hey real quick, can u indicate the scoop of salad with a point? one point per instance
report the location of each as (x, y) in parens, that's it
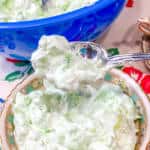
(74, 111)
(63, 67)
(16, 10)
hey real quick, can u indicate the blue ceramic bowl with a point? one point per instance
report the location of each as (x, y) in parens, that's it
(19, 39)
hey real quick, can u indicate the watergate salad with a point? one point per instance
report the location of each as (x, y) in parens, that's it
(74, 110)
(16, 10)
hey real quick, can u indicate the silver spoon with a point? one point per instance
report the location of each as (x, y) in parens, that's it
(110, 60)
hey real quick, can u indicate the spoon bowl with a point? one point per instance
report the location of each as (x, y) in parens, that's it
(101, 54)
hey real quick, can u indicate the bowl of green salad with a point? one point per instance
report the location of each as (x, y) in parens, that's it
(23, 22)
(71, 102)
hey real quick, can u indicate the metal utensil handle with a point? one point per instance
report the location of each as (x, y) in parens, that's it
(121, 59)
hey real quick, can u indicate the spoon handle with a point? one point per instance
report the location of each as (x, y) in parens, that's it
(121, 59)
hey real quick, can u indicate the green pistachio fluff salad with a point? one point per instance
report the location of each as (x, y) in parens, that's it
(74, 110)
(16, 10)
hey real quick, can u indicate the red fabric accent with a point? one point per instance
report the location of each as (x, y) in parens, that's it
(133, 72)
(145, 84)
(140, 77)
(130, 3)
(13, 60)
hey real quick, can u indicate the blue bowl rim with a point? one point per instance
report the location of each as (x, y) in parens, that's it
(99, 4)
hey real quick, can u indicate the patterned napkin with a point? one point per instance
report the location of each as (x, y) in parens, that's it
(11, 69)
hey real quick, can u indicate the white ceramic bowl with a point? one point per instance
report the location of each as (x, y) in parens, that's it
(117, 77)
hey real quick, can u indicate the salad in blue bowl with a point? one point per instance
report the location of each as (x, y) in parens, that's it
(22, 23)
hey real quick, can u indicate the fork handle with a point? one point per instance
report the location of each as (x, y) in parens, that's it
(121, 59)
